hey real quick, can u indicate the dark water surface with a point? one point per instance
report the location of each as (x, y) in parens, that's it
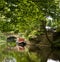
(49, 55)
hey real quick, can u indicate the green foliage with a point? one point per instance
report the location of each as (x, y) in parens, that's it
(26, 15)
(22, 14)
(19, 56)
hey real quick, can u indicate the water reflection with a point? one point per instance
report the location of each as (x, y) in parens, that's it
(51, 60)
(44, 54)
(49, 55)
(9, 59)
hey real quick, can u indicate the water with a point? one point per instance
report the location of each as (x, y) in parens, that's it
(49, 55)
(51, 60)
(9, 59)
(42, 54)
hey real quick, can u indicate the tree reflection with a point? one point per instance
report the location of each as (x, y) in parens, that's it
(46, 53)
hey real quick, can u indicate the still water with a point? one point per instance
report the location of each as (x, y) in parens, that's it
(44, 54)
(50, 55)
(47, 54)
(51, 60)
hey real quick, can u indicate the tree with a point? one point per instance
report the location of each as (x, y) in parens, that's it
(22, 14)
(26, 16)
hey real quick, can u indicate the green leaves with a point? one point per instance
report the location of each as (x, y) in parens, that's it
(27, 15)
